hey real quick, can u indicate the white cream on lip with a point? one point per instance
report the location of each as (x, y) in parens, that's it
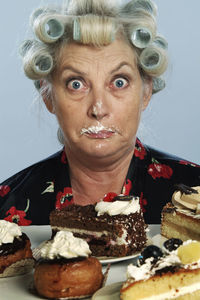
(98, 128)
(118, 207)
(65, 245)
(8, 231)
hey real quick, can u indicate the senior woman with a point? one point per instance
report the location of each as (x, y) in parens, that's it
(95, 64)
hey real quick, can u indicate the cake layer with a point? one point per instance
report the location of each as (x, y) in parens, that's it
(179, 224)
(169, 229)
(183, 284)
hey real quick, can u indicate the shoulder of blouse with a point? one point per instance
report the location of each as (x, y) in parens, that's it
(46, 163)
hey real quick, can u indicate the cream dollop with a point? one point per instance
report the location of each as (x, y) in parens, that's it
(65, 245)
(8, 231)
(148, 269)
(118, 207)
(187, 201)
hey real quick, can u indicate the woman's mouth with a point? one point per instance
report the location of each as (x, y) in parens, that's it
(102, 134)
(98, 132)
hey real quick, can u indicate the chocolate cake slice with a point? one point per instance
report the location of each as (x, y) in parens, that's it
(111, 228)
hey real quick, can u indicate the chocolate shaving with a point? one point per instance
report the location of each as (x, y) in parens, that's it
(185, 189)
(123, 198)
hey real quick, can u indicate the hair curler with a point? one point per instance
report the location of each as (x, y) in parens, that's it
(49, 28)
(137, 5)
(158, 84)
(141, 37)
(153, 60)
(76, 30)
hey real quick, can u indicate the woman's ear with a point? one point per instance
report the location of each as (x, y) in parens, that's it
(47, 96)
(148, 86)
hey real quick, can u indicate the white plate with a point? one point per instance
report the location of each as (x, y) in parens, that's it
(109, 292)
(109, 260)
(17, 288)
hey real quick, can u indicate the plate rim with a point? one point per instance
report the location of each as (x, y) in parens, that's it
(108, 260)
(118, 285)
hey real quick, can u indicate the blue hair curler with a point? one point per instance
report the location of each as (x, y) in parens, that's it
(49, 29)
(25, 47)
(161, 42)
(141, 37)
(43, 64)
(158, 84)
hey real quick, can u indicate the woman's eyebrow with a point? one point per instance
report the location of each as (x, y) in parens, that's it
(122, 64)
(70, 68)
(118, 67)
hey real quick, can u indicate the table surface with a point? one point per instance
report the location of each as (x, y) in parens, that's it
(117, 272)
(18, 287)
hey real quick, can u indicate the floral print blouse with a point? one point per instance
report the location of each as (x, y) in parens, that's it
(29, 196)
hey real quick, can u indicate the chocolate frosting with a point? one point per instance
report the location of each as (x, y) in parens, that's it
(11, 248)
(61, 260)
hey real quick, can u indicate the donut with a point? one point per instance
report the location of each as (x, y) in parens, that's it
(62, 278)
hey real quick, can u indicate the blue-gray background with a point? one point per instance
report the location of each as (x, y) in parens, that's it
(171, 122)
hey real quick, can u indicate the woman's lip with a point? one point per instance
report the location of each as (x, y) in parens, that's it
(102, 134)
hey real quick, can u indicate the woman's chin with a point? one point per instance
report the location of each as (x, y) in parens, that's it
(101, 150)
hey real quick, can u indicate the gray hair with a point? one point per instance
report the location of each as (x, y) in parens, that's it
(97, 23)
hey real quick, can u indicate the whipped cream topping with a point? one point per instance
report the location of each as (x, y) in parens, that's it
(148, 269)
(189, 202)
(118, 207)
(8, 231)
(65, 245)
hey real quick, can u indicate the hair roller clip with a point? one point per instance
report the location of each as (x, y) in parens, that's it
(76, 30)
(25, 47)
(160, 42)
(153, 60)
(48, 28)
(141, 37)
(158, 84)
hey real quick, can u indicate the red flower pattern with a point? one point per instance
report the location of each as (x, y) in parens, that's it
(4, 190)
(143, 202)
(157, 170)
(127, 187)
(139, 151)
(63, 157)
(64, 198)
(17, 216)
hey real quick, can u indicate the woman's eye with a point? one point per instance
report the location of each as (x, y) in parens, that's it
(75, 84)
(120, 83)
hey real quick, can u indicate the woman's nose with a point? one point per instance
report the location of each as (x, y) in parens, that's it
(99, 107)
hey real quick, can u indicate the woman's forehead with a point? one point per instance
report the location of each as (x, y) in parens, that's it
(115, 53)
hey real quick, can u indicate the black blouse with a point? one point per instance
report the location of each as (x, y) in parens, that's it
(29, 196)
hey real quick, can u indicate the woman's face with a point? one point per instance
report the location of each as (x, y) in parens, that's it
(97, 97)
